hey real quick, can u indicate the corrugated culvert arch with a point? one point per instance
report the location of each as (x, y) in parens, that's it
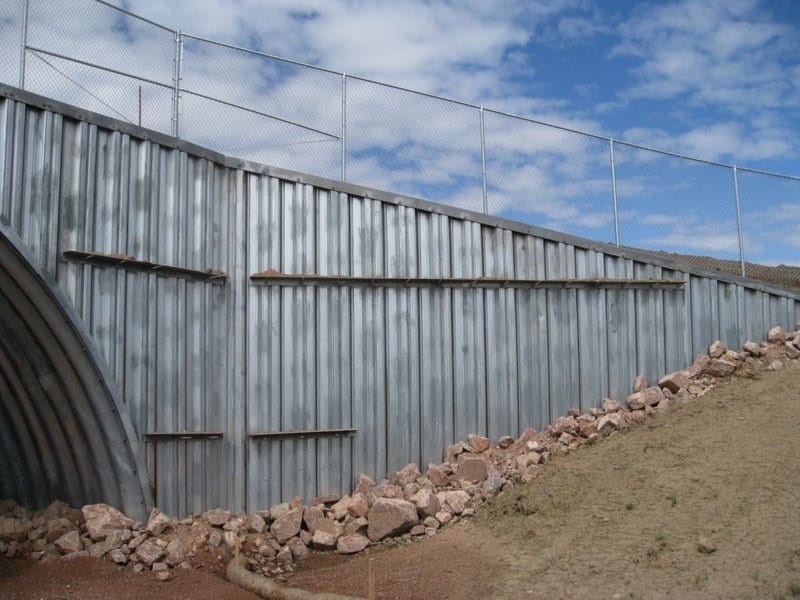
(64, 433)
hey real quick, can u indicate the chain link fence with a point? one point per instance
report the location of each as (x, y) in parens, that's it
(302, 117)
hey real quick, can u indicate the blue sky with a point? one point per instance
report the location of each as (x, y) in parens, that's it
(718, 80)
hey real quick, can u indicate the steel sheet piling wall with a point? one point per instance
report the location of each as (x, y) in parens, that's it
(411, 368)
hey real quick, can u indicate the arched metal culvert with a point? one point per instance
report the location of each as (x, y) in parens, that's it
(64, 432)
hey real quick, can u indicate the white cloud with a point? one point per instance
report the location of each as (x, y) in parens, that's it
(731, 55)
(718, 142)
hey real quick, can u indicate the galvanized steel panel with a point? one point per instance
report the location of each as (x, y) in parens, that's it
(410, 368)
(533, 369)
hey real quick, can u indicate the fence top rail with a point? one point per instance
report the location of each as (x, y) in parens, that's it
(424, 94)
(260, 53)
(135, 16)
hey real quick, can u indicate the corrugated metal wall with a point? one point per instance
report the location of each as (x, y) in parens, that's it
(410, 368)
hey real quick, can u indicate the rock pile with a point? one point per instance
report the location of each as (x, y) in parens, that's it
(409, 504)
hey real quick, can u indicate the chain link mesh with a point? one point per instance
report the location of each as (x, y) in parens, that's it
(413, 144)
(10, 37)
(678, 207)
(549, 177)
(129, 74)
(282, 113)
(271, 110)
(771, 225)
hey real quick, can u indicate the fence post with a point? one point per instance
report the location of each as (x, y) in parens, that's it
(176, 84)
(23, 44)
(739, 219)
(483, 164)
(344, 126)
(614, 191)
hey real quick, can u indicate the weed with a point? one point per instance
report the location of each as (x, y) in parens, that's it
(674, 498)
(756, 576)
(629, 506)
(794, 588)
(659, 536)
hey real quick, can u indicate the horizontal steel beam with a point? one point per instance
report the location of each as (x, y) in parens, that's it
(286, 279)
(120, 261)
(183, 435)
(301, 433)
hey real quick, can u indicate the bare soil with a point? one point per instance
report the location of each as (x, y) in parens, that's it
(621, 519)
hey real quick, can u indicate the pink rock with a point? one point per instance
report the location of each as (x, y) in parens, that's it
(720, 368)
(287, 526)
(298, 548)
(69, 542)
(698, 366)
(387, 490)
(406, 475)
(427, 503)
(148, 552)
(609, 423)
(102, 518)
(311, 515)
(436, 476)
(505, 441)
(365, 485)
(55, 528)
(776, 335)
(610, 405)
(587, 428)
(717, 349)
(217, 517)
(323, 540)
(339, 509)
(358, 505)
(176, 552)
(350, 544)
(478, 442)
(444, 517)
(753, 348)
(452, 452)
(640, 383)
(157, 522)
(389, 516)
(649, 397)
(564, 425)
(675, 381)
(791, 351)
(474, 470)
(456, 500)
(358, 526)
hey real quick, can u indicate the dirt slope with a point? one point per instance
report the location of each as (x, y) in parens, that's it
(621, 519)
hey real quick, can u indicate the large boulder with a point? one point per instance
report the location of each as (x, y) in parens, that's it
(101, 519)
(288, 525)
(390, 516)
(719, 367)
(473, 469)
(776, 335)
(350, 544)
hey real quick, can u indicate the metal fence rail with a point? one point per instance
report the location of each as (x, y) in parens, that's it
(303, 117)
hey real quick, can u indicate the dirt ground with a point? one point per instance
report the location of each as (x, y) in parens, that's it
(622, 519)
